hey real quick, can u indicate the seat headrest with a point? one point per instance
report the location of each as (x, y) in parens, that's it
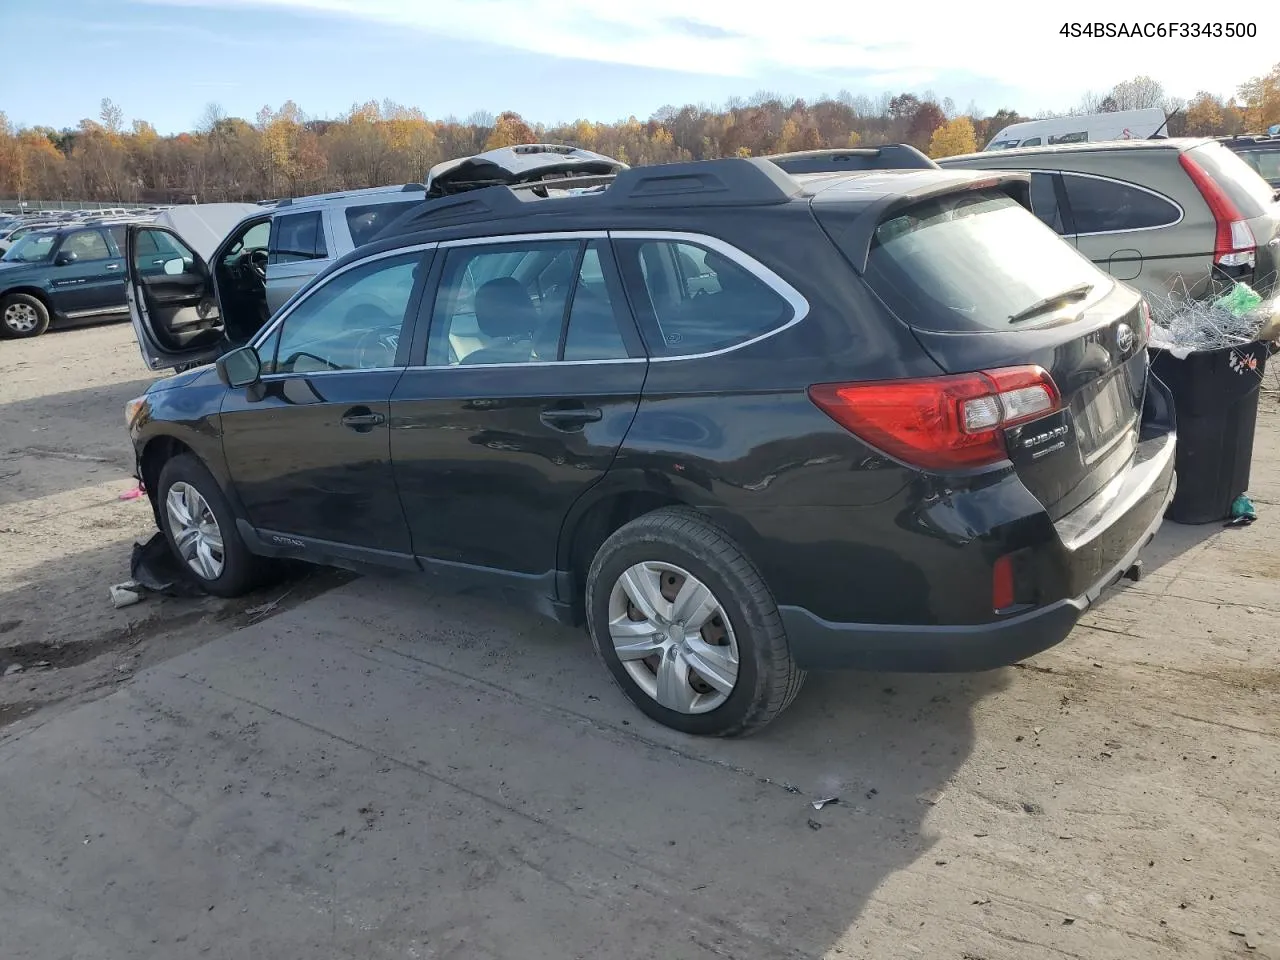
(503, 309)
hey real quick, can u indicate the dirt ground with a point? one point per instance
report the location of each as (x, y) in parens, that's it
(65, 534)
(381, 771)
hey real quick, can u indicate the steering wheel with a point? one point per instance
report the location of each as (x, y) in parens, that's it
(256, 261)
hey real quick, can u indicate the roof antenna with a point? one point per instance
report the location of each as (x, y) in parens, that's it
(1168, 117)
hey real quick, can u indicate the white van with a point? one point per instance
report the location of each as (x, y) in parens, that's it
(1121, 125)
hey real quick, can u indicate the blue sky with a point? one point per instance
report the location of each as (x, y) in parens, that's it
(554, 60)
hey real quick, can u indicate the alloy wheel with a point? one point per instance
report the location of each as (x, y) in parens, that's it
(21, 317)
(673, 637)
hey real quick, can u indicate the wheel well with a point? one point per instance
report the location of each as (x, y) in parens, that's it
(31, 292)
(600, 521)
(155, 455)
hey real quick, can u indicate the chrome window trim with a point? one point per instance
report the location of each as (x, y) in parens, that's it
(305, 294)
(799, 305)
(1182, 213)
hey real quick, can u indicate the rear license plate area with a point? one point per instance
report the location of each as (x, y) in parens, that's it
(1105, 414)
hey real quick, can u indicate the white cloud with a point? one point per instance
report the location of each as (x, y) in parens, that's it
(1015, 44)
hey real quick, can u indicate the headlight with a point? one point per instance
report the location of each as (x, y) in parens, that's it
(132, 409)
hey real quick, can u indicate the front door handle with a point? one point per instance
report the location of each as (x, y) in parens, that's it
(570, 418)
(113, 266)
(362, 419)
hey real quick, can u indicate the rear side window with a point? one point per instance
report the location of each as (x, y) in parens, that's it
(367, 221)
(1265, 162)
(973, 262)
(296, 237)
(1248, 191)
(697, 299)
(1107, 206)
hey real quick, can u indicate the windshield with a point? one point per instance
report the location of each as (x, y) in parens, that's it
(973, 261)
(32, 248)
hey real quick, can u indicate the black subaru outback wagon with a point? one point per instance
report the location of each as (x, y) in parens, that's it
(742, 422)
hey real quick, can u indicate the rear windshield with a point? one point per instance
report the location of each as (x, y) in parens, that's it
(1248, 191)
(974, 261)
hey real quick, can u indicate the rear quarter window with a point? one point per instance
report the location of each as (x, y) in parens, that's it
(971, 262)
(1108, 206)
(694, 299)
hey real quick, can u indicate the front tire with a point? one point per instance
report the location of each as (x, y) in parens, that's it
(22, 316)
(201, 530)
(687, 627)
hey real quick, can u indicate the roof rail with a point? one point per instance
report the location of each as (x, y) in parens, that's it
(890, 156)
(343, 194)
(735, 181)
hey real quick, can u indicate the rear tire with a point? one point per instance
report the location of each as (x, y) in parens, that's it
(704, 650)
(23, 315)
(201, 530)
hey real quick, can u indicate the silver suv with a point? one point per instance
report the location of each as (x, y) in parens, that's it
(257, 256)
(1167, 216)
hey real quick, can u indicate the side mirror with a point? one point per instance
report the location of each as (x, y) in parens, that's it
(241, 367)
(65, 257)
(175, 267)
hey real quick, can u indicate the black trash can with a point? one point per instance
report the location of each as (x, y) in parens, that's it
(1215, 397)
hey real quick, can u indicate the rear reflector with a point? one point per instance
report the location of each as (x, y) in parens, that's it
(941, 423)
(1002, 585)
(1234, 244)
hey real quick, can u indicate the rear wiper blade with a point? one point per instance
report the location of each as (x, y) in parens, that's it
(1070, 295)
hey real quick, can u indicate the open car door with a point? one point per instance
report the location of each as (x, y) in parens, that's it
(172, 301)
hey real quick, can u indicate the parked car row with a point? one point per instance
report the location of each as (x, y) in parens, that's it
(741, 418)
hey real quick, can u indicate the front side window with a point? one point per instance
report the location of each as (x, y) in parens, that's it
(296, 237)
(86, 245)
(152, 249)
(698, 299)
(1032, 142)
(1104, 206)
(353, 322)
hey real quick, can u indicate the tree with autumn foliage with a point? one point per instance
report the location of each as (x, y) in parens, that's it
(953, 138)
(282, 151)
(509, 130)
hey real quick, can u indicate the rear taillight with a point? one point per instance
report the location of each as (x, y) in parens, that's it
(1233, 244)
(941, 423)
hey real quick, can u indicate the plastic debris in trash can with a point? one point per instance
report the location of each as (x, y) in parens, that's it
(1239, 301)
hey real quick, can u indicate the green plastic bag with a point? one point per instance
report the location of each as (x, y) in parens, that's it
(1239, 300)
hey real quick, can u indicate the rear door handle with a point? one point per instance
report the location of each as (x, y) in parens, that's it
(567, 418)
(113, 266)
(362, 419)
